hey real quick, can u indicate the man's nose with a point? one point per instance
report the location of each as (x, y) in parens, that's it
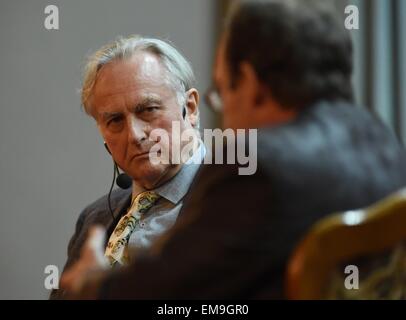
(136, 132)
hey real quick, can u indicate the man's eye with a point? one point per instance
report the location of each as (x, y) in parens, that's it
(114, 120)
(150, 109)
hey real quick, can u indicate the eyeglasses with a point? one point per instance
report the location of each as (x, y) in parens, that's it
(213, 100)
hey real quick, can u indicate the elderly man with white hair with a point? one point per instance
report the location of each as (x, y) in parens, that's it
(131, 87)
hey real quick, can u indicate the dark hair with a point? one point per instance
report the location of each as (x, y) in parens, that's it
(298, 48)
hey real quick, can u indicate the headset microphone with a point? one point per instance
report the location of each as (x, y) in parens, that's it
(123, 180)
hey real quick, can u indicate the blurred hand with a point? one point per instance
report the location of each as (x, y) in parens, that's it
(91, 263)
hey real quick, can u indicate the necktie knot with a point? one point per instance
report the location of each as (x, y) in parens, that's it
(144, 201)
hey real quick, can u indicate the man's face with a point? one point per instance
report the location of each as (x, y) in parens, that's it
(131, 98)
(237, 106)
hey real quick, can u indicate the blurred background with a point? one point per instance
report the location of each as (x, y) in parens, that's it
(53, 162)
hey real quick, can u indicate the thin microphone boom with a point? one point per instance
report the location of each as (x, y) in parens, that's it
(123, 180)
(111, 189)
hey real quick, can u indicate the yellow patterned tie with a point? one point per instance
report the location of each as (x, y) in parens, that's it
(117, 247)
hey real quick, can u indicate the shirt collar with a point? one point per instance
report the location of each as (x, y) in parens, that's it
(176, 188)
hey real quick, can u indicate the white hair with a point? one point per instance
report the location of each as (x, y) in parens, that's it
(179, 71)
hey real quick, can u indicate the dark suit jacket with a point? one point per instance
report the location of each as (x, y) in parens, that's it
(95, 214)
(235, 233)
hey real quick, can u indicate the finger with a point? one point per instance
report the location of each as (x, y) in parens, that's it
(96, 238)
(95, 244)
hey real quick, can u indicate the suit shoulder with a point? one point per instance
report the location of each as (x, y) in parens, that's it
(101, 204)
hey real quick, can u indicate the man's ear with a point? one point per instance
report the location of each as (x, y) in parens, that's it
(249, 82)
(192, 106)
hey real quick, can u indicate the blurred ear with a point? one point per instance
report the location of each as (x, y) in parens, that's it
(249, 82)
(192, 106)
